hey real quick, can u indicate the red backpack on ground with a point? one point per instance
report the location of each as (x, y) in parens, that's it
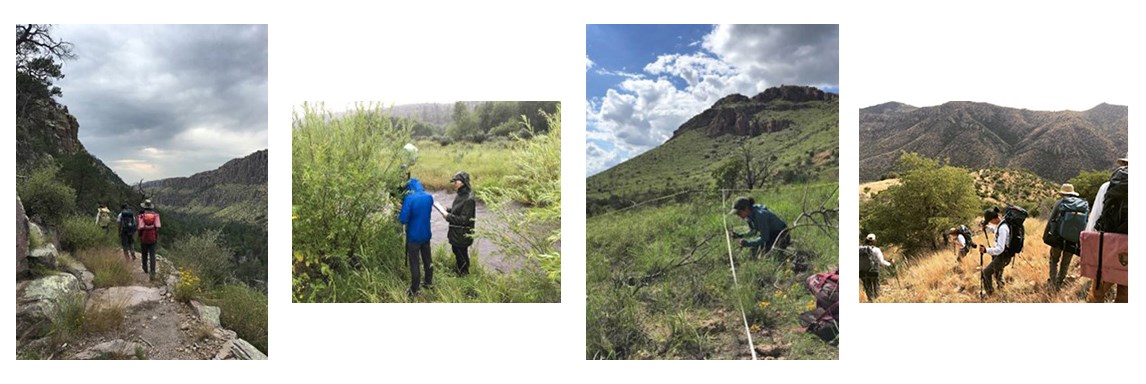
(148, 233)
(824, 320)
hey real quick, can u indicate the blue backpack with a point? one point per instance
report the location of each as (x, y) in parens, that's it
(1072, 218)
(127, 222)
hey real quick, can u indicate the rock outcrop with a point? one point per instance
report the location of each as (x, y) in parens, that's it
(115, 349)
(37, 300)
(740, 115)
(44, 256)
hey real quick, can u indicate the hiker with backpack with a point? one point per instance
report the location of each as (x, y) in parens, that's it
(127, 226)
(871, 261)
(1109, 223)
(415, 215)
(1067, 220)
(1009, 237)
(461, 218)
(961, 240)
(769, 227)
(149, 224)
(103, 217)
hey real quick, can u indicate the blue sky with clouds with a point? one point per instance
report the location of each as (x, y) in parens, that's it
(644, 81)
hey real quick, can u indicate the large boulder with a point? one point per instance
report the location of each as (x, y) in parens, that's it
(45, 256)
(21, 239)
(38, 300)
(115, 349)
(242, 350)
(124, 297)
(207, 314)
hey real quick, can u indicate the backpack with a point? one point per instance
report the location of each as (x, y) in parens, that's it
(823, 321)
(1014, 216)
(148, 234)
(1114, 205)
(127, 222)
(968, 243)
(868, 261)
(1071, 219)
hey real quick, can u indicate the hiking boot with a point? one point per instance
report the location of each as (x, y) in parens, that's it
(427, 286)
(411, 293)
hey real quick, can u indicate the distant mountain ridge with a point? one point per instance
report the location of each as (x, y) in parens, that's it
(236, 191)
(1056, 145)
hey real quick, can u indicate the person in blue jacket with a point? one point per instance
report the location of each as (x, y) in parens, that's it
(770, 229)
(415, 215)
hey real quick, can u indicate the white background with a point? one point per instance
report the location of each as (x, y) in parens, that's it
(1015, 55)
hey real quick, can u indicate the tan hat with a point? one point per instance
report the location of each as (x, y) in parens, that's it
(1067, 189)
(1125, 161)
(870, 237)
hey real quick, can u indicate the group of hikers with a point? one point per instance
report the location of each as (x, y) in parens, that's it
(415, 215)
(130, 225)
(1071, 223)
(766, 232)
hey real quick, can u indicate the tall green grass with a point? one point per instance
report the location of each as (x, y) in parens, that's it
(659, 285)
(488, 163)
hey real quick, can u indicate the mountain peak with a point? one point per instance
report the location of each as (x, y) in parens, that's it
(739, 115)
(889, 107)
(793, 93)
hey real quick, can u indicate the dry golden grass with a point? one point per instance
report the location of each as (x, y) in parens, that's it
(107, 265)
(867, 190)
(935, 278)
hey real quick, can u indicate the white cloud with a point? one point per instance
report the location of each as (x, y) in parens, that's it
(643, 110)
(598, 159)
(588, 63)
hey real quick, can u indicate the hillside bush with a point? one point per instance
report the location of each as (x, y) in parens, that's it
(243, 310)
(79, 233)
(930, 197)
(1088, 182)
(46, 198)
(205, 253)
(347, 177)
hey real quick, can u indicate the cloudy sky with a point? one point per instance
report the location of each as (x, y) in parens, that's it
(644, 81)
(159, 101)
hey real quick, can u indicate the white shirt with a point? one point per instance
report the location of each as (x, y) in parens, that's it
(1002, 234)
(879, 254)
(962, 242)
(1096, 211)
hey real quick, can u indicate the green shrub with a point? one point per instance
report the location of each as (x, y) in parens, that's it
(206, 254)
(929, 198)
(46, 198)
(347, 176)
(78, 233)
(244, 311)
(1088, 182)
(535, 232)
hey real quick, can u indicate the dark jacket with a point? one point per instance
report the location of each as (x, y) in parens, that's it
(767, 224)
(462, 214)
(415, 214)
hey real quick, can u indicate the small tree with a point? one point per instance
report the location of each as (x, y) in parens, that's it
(930, 198)
(46, 198)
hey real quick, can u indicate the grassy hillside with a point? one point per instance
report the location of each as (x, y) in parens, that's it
(806, 151)
(657, 289)
(935, 278)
